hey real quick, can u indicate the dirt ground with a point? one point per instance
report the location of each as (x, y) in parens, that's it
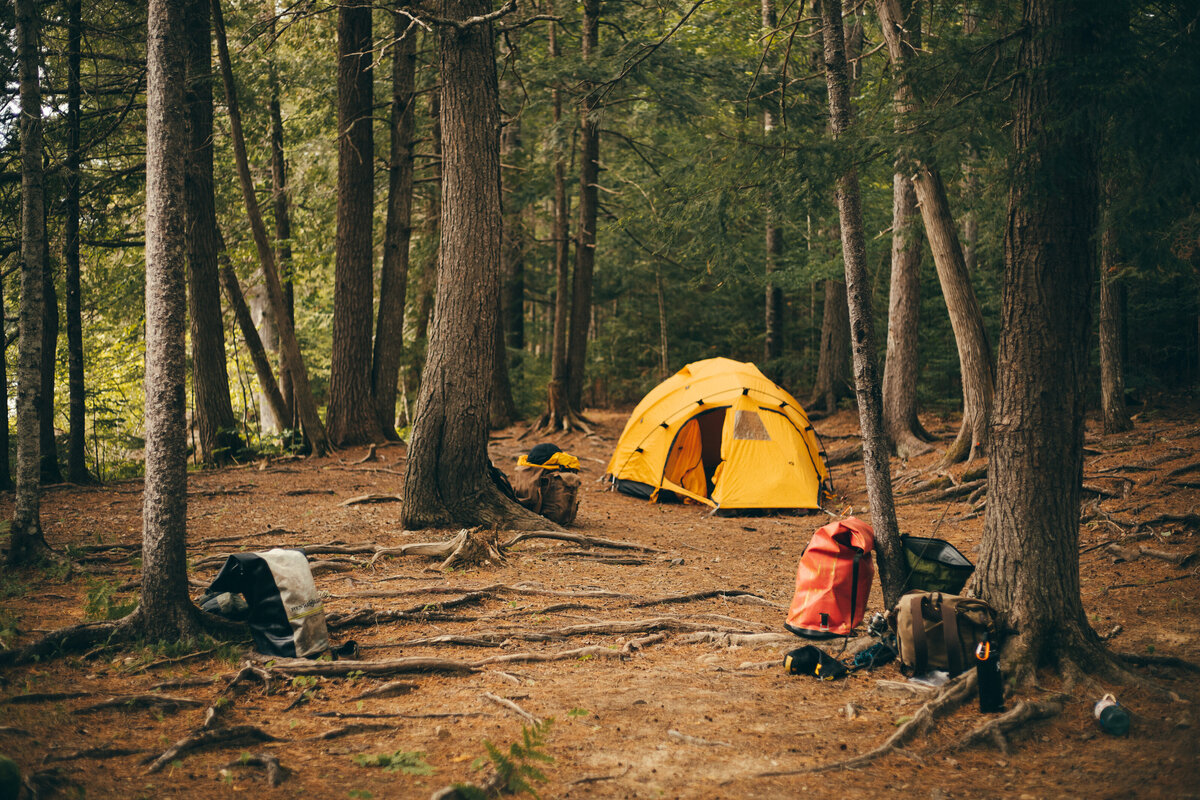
(694, 713)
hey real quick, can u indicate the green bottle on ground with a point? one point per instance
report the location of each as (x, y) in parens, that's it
(1111, 715)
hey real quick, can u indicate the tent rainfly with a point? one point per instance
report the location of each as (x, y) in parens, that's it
(721, 433)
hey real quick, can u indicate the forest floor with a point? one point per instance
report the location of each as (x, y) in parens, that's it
(697, 711)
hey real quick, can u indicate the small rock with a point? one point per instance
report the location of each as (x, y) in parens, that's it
(851, 711)
(1184, 722)
(441, 732)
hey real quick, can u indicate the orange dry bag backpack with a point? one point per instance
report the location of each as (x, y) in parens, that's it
(833, 581)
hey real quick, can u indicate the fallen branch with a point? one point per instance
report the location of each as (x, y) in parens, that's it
(363, 499)
(208, 738)
(513, 707)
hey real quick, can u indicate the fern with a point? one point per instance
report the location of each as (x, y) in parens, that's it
(515, 769)
(409, 763)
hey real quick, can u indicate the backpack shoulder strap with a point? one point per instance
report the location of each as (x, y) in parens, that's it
(917, 632)
(950, 635)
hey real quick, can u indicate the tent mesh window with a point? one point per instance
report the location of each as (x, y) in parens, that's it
(747, 425)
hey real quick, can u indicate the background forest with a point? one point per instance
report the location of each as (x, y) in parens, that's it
(714, 223)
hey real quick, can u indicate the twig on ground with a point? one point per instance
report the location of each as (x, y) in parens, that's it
(511, 706)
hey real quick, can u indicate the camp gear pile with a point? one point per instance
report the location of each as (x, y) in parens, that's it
(547, 483)
(933, 565)
(941, 631)
(282, 606)
(833, 580)
(720, 433)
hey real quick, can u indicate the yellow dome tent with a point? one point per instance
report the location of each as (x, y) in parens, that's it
(721, 433)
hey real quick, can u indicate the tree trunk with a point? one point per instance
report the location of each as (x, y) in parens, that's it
(966, 318)
(165, 611)
(49, 471)
(585, 243)
(283, 230)
(77, 471)
(502, 410)
(1029, 560)
(1112, 368)
(427, 276)
(446, 482)
(833, 364)
(876, 468)
(773, 317)
(6, 481)
(351, 417)
(218, 439)
(904, 429)
(558, 415)
(393, 280)
(26, 542)
(664, 368)
(293, 362)
(271, 393)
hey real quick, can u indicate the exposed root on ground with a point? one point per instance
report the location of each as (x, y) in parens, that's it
(208, 738)
(578, 538)
(511, 706)
(276, 772)
(997, 730)
(1141, 660)
(131, 702)
(955, 694)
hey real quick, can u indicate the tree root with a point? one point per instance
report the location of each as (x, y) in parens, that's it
(643, 642)
(592, 651)
(352, 729)
(1141, 660)
(372, 498)
(208, 738)
(474, 547)
(390, 689)
(998, 729)
(139, 701)
(91, 753)
(955, 693)
(578, 538)
(375, 669)
(734, 595)
(71, 638)
(276, 772)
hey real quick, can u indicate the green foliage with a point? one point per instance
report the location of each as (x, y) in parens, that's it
(8, 627)
(517, 768)
(103, 601)
(403, 761)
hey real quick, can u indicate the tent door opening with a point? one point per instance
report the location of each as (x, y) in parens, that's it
(696, 452)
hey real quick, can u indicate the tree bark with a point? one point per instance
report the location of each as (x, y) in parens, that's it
(966, 318)
(446, 482)
(773, 316)
(427, 278)
(283, 232)
(351, 417)
(876, 467)
(77, 471)
(904, 429)
(558, 415)
(393, 280)
(26, 542)
(293, 362)
(49, 470)
(585, 243)
(833, 362)
(218, 439)
(271, 393)
(502, 410)
(1029, 561)
(1112, 368)
(6, 481)
(165, 611)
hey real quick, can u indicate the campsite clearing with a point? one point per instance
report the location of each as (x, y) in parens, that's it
(660, 666)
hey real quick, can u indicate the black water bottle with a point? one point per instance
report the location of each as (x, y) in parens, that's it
(987, 670)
